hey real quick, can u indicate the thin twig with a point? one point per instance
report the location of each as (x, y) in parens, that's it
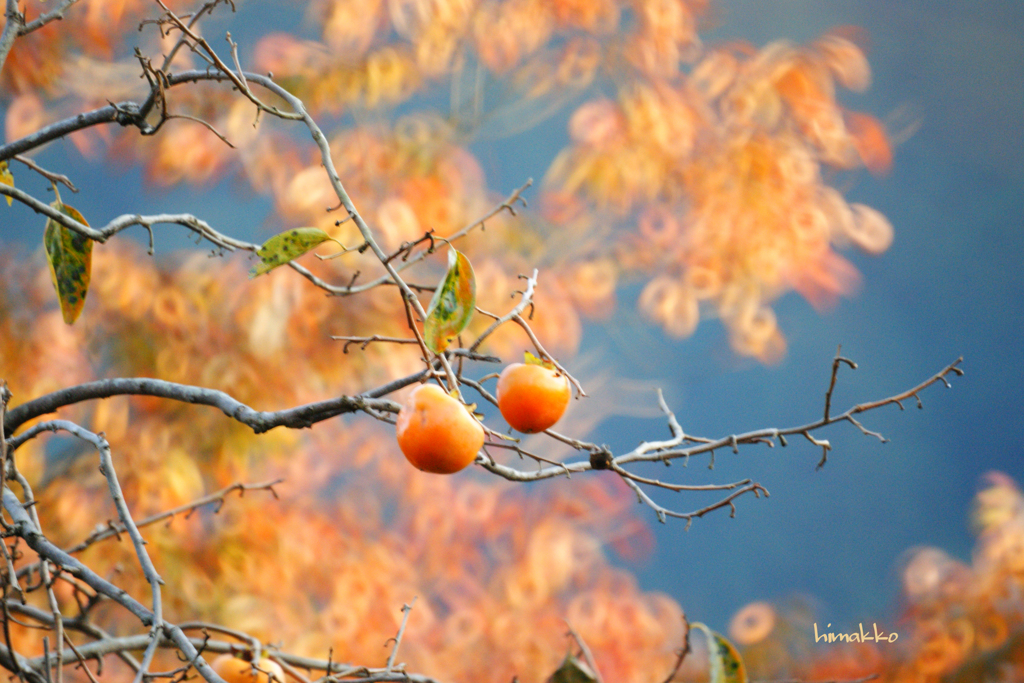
(366, 341)
(148, 570)
(52, 177)
(28, 529)
(602, 458)
(542, 352)
(835, 371)
(81, 660)
(588, 656)
(219, 498)
(683, 651)
(406, 609)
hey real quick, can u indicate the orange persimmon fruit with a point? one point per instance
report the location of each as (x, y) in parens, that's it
(436, 432)
(237, 670)
(532, 396)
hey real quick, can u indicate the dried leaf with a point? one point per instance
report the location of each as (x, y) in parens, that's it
(572, 671)
(70, 257)
(6, 178)
(452, 306)
(287, 246)
(726, 665)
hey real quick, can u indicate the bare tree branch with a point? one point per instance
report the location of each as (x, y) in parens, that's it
(259, 421)
(35, 539)
(148, 569)
(406, 610)
(601, 457)
(218, 499)
(52, 177)
(56, 14)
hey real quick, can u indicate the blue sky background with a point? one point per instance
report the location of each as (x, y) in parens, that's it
(951, 285)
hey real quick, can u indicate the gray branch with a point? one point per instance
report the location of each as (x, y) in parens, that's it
(34, 538)
(260, 421)
(26, 529)
(601, 458)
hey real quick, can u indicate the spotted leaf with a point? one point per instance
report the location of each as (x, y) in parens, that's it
(726, 665)
(70, 257)
(287, 246)
(452, 306)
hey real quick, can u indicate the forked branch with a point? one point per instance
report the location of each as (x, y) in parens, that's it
(684, 446)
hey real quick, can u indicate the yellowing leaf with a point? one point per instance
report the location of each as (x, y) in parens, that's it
(530, 359)
(452, 306)
(70, 257)
(6, 178)
(726, 666)
(287, 246)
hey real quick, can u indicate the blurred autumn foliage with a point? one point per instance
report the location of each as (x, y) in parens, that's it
(356, 533)
(704, 172)
(959, 622)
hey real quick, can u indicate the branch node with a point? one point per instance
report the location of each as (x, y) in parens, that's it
(601, 459)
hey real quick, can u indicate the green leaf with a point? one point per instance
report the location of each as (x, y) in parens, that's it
(572, 671)
(452, 306)
(726, 665)
(70, 257)
(6, 178)
(287, 246)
